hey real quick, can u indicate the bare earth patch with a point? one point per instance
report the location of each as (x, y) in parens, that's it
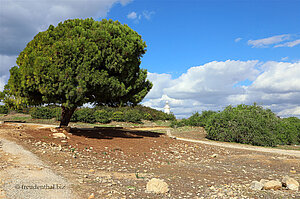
(118, 163)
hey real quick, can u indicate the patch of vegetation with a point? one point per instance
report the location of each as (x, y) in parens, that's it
(195, 120)
(45, 112)
(3, 109)
(251, 124)
(103, 114)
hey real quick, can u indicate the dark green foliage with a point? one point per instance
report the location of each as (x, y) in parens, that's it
(84, 115)
(293, 125)
(153, 114)
(77, 62)
(250, 125)
(3, 109)
(179, 123)
(2, 96)
(118, 116)
(133, 115)
(102, 116)
(195, 120)
(45, 112)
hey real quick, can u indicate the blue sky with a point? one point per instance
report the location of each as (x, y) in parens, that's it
(181, 34)
(201, 55)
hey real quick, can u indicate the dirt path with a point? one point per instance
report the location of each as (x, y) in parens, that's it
(240, 146)
(24, 175)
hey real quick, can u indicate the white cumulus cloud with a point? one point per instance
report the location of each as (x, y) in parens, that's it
(215, 85)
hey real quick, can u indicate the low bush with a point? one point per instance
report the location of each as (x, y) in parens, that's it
(293, 125)
(133, 115)
(85, 115)
(43, 113)
(102, 116)
(118, 116)
(153, 114)
(250, 125)
(195, 120)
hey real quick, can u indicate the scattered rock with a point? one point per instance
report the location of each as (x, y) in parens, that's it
(214, 156)
(59, 135)
(255, 185)
(263, 181)
(19, 126)
(290, 183)
(91, 196)
(157, 186)
(53, 130)
(273, 184)
(293, 187)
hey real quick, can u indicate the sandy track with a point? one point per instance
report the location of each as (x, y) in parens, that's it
(245, 147)
(25, 176)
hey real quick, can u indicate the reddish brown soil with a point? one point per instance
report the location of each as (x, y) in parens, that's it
(124, 160)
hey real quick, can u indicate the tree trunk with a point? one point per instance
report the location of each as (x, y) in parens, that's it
(66, 115)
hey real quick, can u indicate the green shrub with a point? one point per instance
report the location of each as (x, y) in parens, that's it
(85, 115)
(118, 116)
(133, 115)
(57, 113)
(42, 113)
(249, 125)
(147, 116)
(195, 120)
(102, 116)
(293, 125)
(3, 109)
(179, 123)
(153, 114)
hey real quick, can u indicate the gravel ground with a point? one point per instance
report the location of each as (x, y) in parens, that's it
(25, 176)
(240, 146)
(118, 163)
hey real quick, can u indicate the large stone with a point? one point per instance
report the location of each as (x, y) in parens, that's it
(273, 184)
(59, 135)
(157, 186)
(293, 187)
(255, 185)
(53, 130)
(290, 183)
(263, 181)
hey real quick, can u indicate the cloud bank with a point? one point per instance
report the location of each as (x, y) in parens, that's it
(215, 85)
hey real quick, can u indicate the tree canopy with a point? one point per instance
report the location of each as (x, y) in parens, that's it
(80, 61)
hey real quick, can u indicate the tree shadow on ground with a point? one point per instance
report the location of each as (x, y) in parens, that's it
(112, 132)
